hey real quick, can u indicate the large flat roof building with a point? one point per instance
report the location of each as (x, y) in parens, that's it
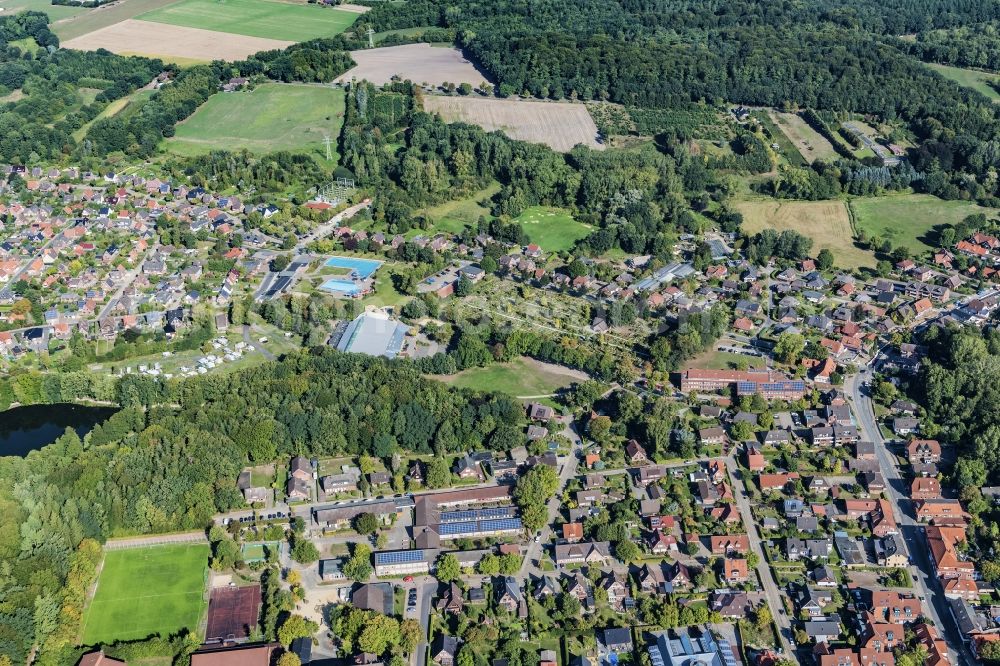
(374, 334)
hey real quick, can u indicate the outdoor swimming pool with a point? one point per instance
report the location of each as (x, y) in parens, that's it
(341, 286)
(362, 268)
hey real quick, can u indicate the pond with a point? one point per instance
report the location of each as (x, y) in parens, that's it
(24, 429)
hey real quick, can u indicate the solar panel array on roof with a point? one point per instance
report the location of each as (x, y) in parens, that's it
(480, 526)
(399, 557)
(480, 514)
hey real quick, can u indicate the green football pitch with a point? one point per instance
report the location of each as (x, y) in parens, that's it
(143, 591)
(255, 18)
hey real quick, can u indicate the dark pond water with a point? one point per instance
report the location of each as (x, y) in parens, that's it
(23, 429)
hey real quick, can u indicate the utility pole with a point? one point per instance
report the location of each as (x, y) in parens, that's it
(371, 38)
(326, 142)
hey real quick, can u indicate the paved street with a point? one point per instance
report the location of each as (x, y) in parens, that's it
(925, 582)
(532, 557)
(771, 591)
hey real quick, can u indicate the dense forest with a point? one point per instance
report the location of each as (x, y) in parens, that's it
(976, 45)
(839, 55)
(169, 459)
(636, 198)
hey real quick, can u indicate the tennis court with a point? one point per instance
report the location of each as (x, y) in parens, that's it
(232, 612)
(360, 268)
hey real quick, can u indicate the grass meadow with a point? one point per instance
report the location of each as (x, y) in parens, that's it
(255, 18)
(274, 116)
(970, 78)
(143, 591)
(826, 222)
(518, 378)
(907, 219)
(553, 229)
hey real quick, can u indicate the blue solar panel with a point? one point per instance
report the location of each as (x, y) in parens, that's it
(501, 524)
(399, 557)
(481, 514)
(458, 516)
(452, 529)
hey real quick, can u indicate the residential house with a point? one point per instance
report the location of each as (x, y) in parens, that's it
(729, 544)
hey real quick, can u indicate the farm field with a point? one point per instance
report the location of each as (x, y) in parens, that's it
(55, 12)
(811, 144)
(826, 222)
(102, 17)
(274, 116)
(520, 378)
(559, 125)
(906, 219)
(132, 37)
(970, 78)
(144, 591)
(420, 63)
(554, 229)
(255, 18)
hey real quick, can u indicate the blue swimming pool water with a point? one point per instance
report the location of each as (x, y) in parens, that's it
(363, 268)
(342, 286)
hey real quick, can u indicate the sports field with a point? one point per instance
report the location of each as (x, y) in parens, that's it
(521, 378)
(274, 116)
(554, 229)
(143, 591)
(269, 19)
(826, 222)
(907, 219)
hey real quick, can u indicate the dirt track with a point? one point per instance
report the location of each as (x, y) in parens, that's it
(559, 125)
(171, 41)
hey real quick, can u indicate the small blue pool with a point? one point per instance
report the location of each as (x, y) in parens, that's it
(341, 286)
(362, 268)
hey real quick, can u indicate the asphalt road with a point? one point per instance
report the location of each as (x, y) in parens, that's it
(532, 557)
(926, 584)
(770, 585)
(426, 587)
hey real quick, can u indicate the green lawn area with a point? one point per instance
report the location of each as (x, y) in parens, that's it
(147, 591)
(723, 360)
(454, 216)
(518, 378)
(906, 219)
(274, 116)
(970, 78)
(554, 229)
(256, 18)
(385, 292)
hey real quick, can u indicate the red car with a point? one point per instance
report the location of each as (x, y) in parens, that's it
(408, 579)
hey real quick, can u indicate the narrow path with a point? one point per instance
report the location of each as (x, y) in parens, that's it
(156, 540)
(247, 338)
